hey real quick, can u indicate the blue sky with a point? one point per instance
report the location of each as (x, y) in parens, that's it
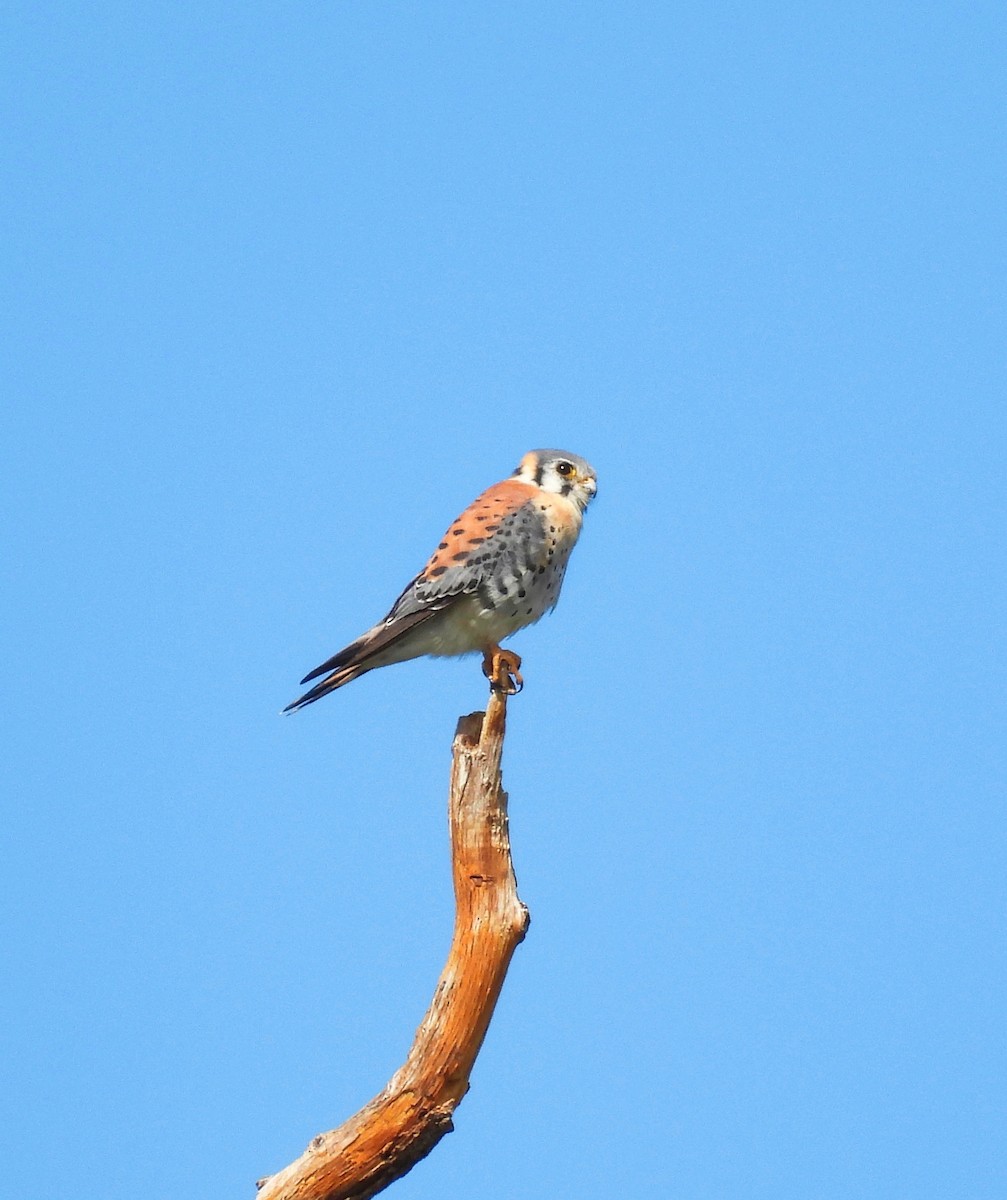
(287, 286)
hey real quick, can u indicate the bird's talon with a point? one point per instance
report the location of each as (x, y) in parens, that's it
(503, 669)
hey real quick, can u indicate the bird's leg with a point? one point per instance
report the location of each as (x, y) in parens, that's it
(503, 669)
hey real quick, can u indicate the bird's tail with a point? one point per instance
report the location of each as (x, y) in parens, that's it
(329, 684)
(375, 648)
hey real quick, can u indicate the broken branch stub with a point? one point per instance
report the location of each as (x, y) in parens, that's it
(404, 1122)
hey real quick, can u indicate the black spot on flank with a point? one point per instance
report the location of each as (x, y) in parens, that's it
(552, 528)
(461, 556)
(543, 508)
(438, 571)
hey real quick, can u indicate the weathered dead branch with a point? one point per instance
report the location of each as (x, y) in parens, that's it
(404, 1122)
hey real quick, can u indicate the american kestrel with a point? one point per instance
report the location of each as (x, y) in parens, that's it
(498, 568)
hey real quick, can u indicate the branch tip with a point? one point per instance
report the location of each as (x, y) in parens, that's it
(469, 728)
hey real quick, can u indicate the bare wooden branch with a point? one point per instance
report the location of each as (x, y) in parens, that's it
(404, 1122)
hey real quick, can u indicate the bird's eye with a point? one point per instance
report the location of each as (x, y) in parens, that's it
(565, 469)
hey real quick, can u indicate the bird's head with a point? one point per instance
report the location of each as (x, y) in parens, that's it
(561, 472)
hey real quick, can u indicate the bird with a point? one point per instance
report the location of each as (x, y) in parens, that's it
(498, 568)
